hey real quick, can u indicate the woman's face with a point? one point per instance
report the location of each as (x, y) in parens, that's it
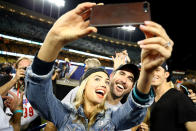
(96, 88)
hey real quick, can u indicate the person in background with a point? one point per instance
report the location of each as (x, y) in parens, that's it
(91, 63)
(30, 117)
(172, 110)
(12, 102)
(189, 89)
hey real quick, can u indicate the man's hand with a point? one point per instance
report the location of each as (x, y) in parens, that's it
(13, 102)
(20, 73)
(118, 60)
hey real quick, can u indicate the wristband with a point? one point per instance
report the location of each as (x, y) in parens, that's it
(138, 97)
(18, 111)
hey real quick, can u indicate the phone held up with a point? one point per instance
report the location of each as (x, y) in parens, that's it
(120, 14)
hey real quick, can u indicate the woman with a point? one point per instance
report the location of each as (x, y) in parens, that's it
(92, 94)
(88, 111)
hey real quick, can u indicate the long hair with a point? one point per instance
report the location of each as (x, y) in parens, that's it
(79, 100)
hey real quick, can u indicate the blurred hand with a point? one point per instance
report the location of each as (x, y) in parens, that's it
(119, 60)
(155, 49)
(127, 59)
(143, 127)
(192, 95)
(13, 102)
(20, 73)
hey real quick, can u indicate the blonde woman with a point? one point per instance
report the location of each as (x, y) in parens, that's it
(88, 112)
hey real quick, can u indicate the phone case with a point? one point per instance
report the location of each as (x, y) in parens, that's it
(120, 14)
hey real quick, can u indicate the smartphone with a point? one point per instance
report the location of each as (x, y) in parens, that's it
(120, 14)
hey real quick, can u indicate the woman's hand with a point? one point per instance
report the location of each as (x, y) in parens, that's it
(156, 48)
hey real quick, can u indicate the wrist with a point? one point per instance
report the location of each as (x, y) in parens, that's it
(15, 79)
(18, 111)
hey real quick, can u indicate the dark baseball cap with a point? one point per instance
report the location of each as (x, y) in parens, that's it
(132, 68)
(165, 66)
(91, 71)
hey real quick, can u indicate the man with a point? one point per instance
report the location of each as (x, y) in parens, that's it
(121, 82)
(156, 48)
(172, 110)
(29, 113)
(91, 63)
(15, 105)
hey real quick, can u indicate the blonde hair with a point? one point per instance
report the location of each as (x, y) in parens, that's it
(92, 63)
(20, 59)
(79, 100)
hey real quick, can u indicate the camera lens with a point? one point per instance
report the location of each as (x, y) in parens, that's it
(145, 7)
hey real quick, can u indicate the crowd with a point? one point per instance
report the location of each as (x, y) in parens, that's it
(151, 101)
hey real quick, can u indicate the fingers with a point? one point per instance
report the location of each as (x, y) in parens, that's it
(81, 8)
(7, 104)
(160, 49)
(192, 95)
(155, 30)
(87, 31)
(8, 101)
(143, 127)
(20, 73)
(153, 40)
(190, 91)
(86, 14)
(7, 97)
(13, 94)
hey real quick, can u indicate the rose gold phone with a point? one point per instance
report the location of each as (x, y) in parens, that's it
(120, 14)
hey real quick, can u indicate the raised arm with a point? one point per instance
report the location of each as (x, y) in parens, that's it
(67, 28)
(6, 87)
(156, 48)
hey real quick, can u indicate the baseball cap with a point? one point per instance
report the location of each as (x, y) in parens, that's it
(91, 71)
(132, 68)
(165, 66)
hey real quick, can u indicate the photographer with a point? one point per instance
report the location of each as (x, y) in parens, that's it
(18, 87)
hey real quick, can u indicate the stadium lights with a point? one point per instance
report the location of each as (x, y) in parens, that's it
(128, 28)
(59, 3)
(69, 50)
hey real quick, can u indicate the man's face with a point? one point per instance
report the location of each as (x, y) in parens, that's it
(24, 63)
(121, 83)
(159, 76)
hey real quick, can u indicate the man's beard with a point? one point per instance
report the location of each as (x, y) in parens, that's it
(113, 94)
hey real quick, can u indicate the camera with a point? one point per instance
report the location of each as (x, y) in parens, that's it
(22, 78)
